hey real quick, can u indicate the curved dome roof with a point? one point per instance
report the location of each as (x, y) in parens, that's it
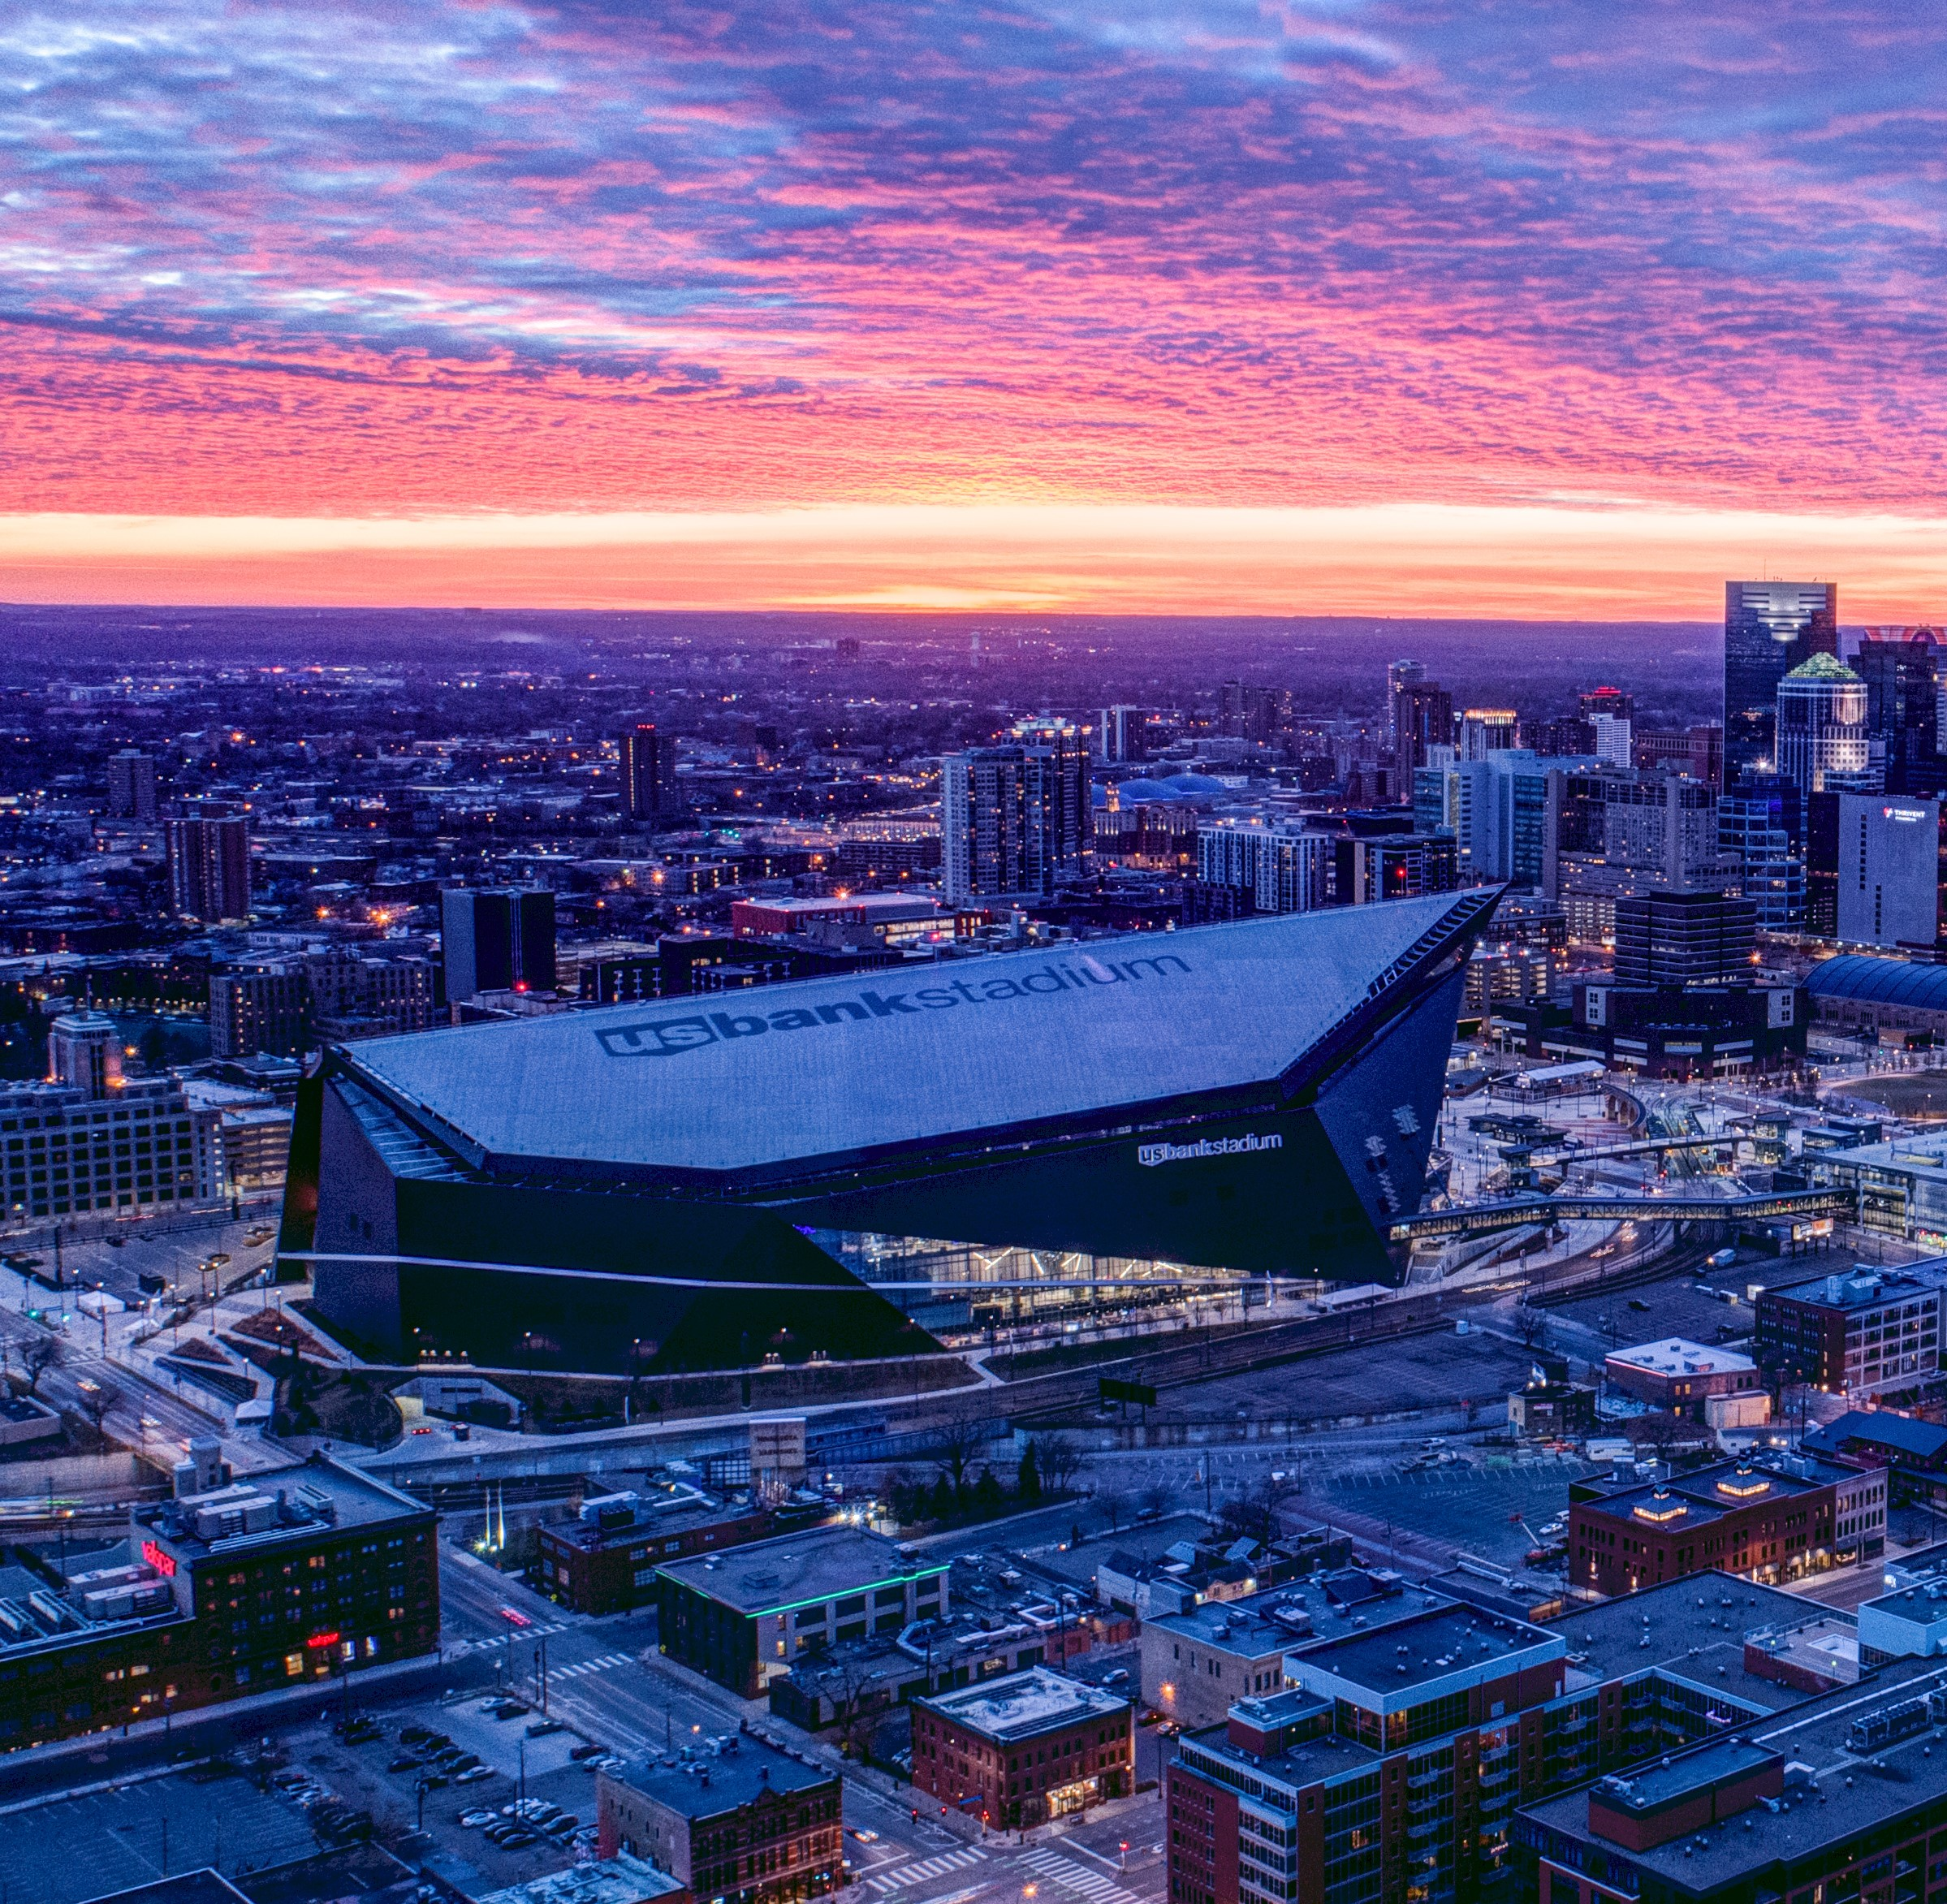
(1882, 981)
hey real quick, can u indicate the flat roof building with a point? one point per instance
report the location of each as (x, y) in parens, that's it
(1821, 1802)
(1026, 1748)
(1293, 1801)
(1680, 1375)
(201, 1610)
(1771, 1523)
(742, 1617)
(1857, 1332)
(745, 1824)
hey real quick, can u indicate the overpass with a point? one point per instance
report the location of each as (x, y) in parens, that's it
(1483, 1218)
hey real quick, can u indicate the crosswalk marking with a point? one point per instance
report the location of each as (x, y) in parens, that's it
(912, 1874)
(608, 1663)
(1072, 1876)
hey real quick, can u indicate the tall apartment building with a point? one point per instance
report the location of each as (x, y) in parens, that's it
(1487, 730)
(89, 1139)
(131, 785)
(1016, 818)
(265, 1009)
(1497, 810)
(1421, 717)
(1399, 674)
(497, 938)
(1414, 1761)
(650, 792)
(1755, 825)
(1612, 834)
(1769, 629)
(1615, 738)
(1698, 752)
(1285, 869)
(209, 861)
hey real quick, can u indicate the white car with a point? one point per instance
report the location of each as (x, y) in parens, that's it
(473, 1820)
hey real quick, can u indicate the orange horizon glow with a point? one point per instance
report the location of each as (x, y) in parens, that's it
(1387, 560)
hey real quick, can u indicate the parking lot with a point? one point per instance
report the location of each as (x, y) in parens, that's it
(1437, 1370)
(478, 1769)
(1492, 1506)
(101, 1843)
(139, 1251)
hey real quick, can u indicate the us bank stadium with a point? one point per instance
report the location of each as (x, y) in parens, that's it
(846, 1167)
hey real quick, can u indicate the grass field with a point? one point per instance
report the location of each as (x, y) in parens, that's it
(1906, 1094)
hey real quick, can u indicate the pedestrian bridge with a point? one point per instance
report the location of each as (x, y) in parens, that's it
(1483, 1218)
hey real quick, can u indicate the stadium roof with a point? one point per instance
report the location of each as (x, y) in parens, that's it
(1879, 981)
(831, 1067)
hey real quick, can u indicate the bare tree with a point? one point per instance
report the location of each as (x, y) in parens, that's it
(854, 1714)
(1530, 1324)
(1058, 1461)
(38, 1355)
(1156, 1500)
(960, 1439)
(97, 1399)
(1115, 1504)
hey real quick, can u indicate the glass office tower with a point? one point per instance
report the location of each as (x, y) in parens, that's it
(1769, 629)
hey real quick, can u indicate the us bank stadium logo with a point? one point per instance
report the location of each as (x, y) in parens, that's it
(1150, 1154)
(668, 1038)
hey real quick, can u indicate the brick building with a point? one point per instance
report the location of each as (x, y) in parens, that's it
(605, 1559)
(1393, 1767)
(227, 1591)
(1770, 1523)
(1026, 1748)
(1843, 1798)
(1680, 1375)
(1857, 1332)
(749, 1825)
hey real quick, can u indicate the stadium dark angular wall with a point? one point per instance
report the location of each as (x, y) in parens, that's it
(632, 1187)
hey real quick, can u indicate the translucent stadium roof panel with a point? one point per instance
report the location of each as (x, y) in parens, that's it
(1879, 981)
(827, 1067)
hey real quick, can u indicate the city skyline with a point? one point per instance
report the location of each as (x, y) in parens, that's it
(1337, 306)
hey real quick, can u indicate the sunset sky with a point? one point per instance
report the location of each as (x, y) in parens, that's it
(1477, 308)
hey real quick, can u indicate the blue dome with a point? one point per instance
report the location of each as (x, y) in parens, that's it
(1141, 792)
(1185, 784)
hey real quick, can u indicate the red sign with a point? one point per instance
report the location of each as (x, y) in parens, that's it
(163, 1563)
(318, 1639)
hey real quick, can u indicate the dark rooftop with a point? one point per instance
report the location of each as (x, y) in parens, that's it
(1694, 1627)
(1836, 1788)
(1299, 1617)
(1447, 1641)
(704, 1787)
(296, 1504)
(797, 1569)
